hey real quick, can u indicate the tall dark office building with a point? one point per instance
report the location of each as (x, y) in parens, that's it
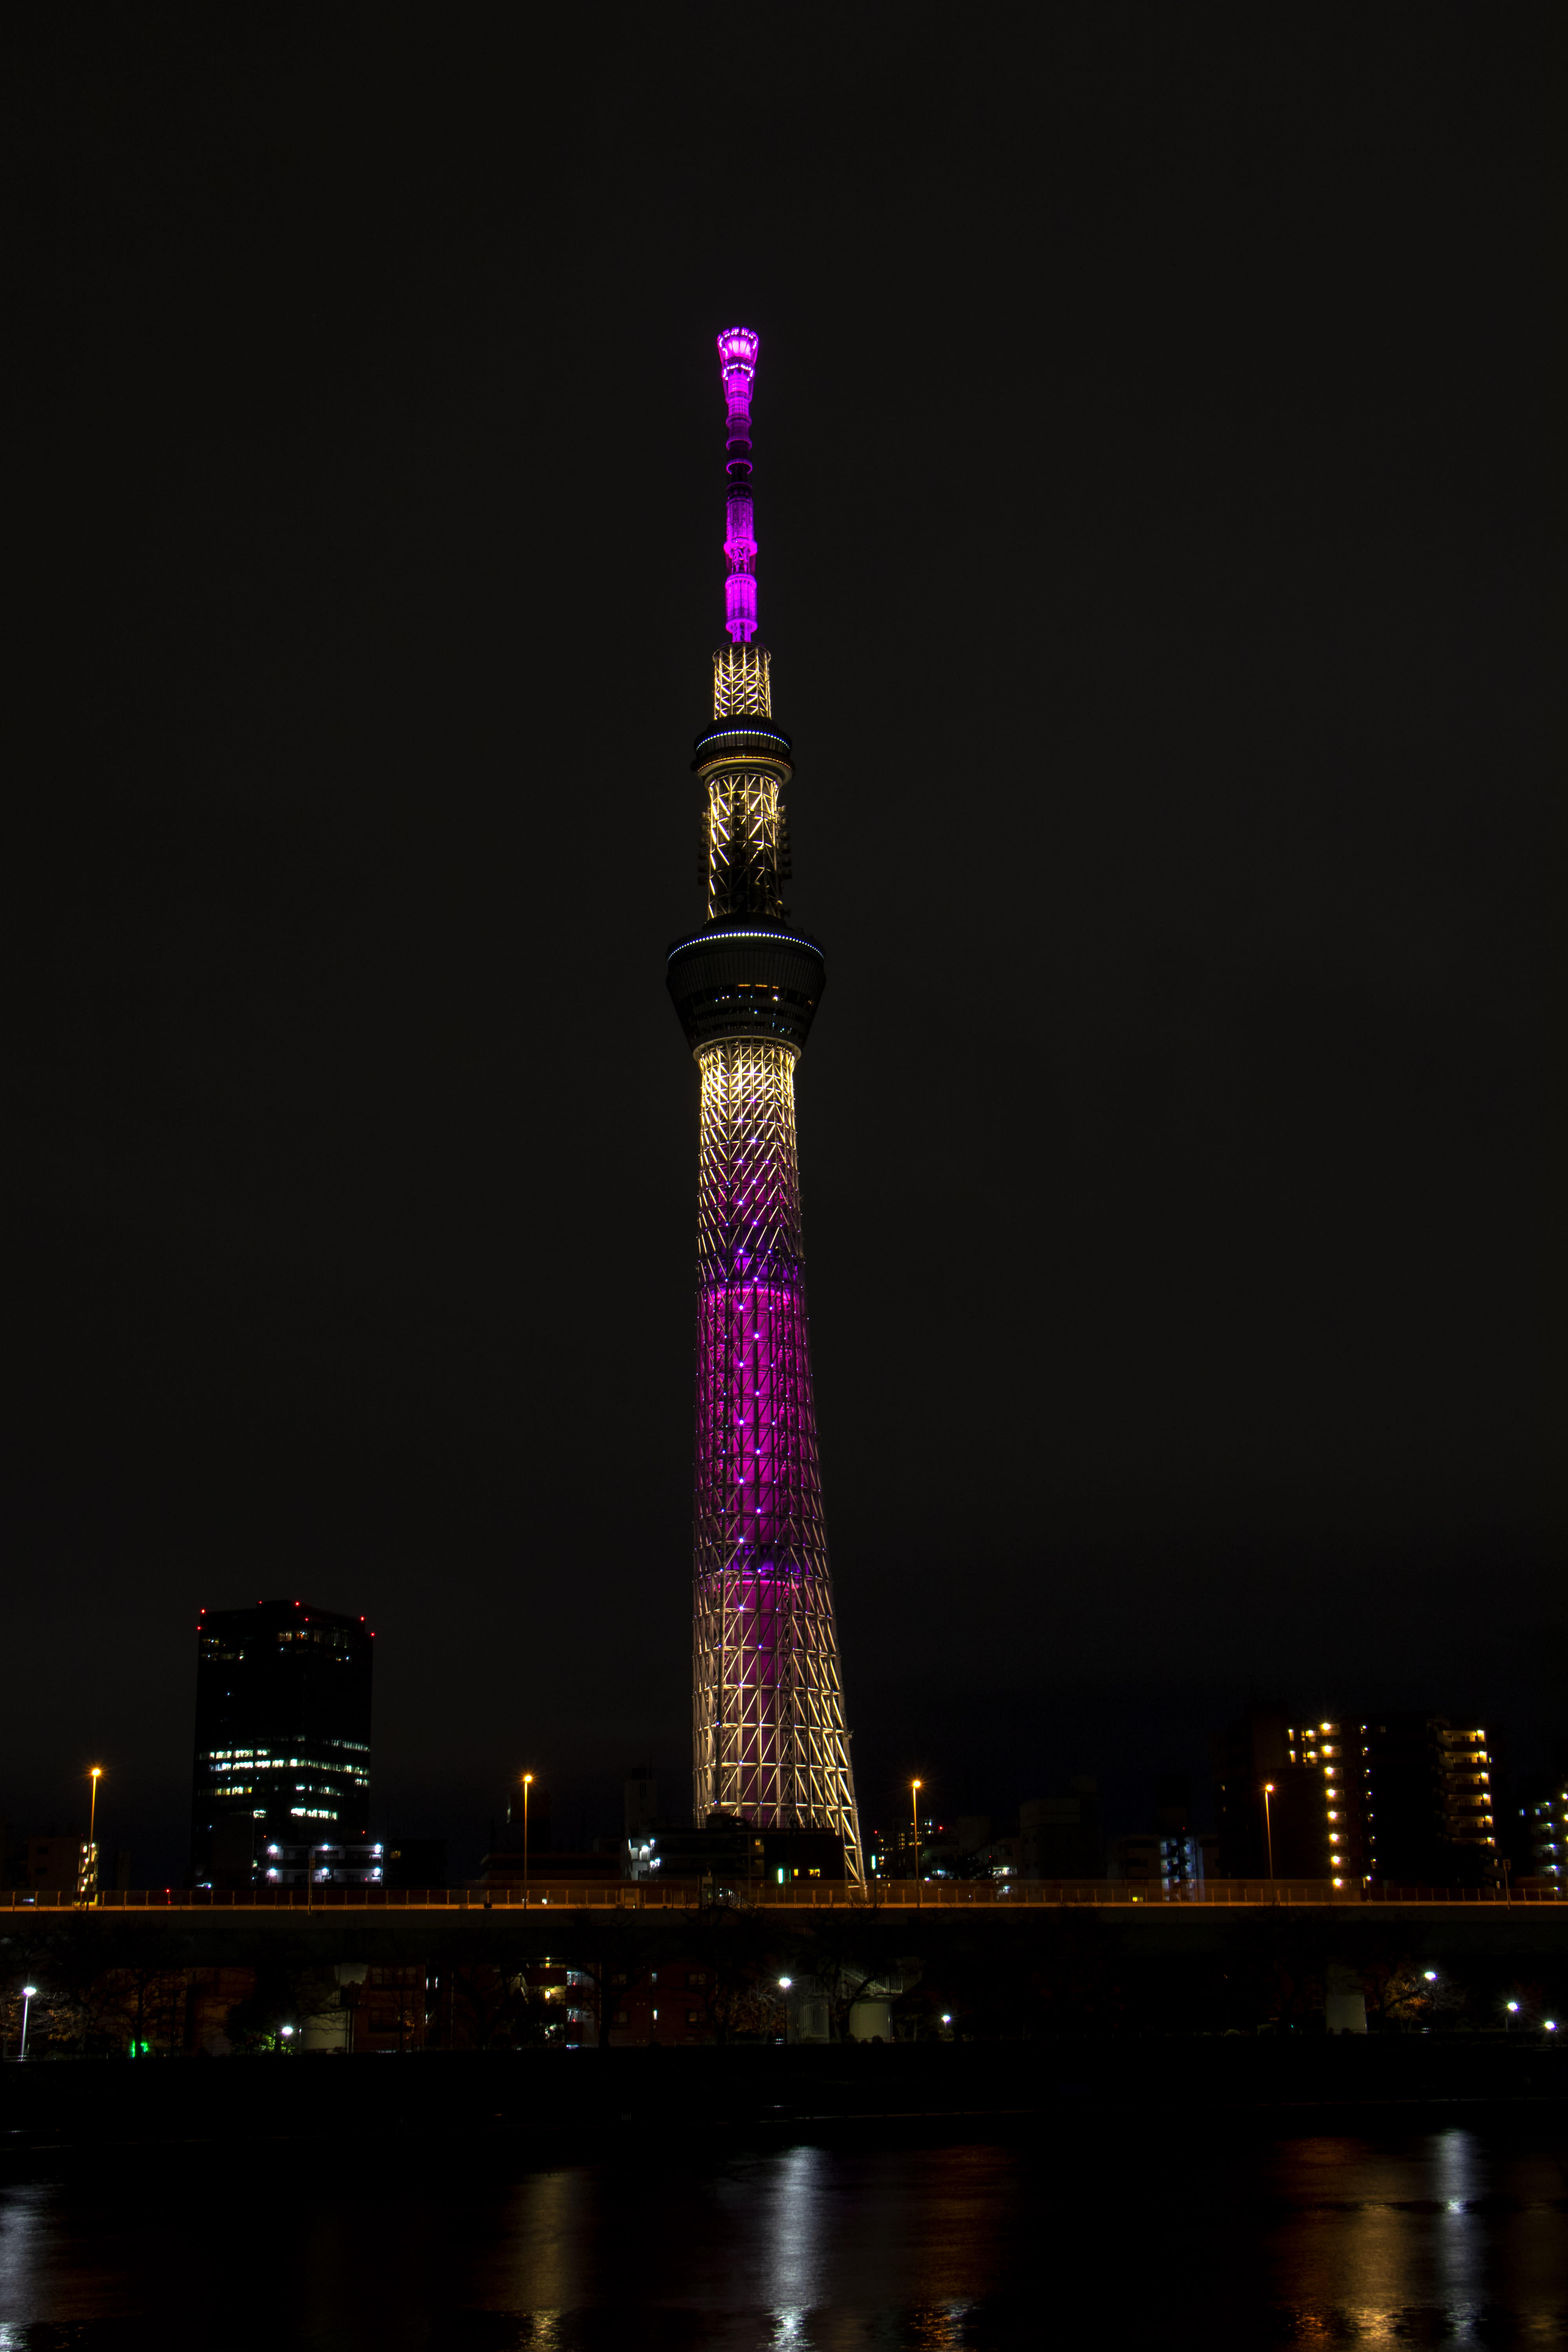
(281, 1783)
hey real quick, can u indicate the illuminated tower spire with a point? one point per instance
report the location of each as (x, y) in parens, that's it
(769, 1743)
(738, 361)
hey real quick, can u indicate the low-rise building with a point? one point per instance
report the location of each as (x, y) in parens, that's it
(57, 1865)
(1545, 1814)
(1172, 1863)
(281, 1865)
(1059, 1836)
(734, 1859)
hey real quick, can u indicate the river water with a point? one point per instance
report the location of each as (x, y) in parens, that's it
(1096, 2231)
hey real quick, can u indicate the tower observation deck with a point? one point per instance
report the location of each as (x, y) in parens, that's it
(769, 1743)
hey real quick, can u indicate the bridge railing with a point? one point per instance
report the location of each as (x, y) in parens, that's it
(893, 1895)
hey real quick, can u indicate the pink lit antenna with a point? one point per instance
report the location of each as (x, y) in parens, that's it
(737, 366)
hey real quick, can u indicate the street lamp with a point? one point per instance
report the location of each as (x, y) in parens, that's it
(1268, 1823)
(784, 1984)
(90, 1873)
(915, 1787)
(527, 1784)
(30, 1995)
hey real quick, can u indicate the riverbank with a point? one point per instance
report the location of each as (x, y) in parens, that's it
(580, 2099)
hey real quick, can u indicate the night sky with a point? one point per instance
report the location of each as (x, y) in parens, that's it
(1150, 486)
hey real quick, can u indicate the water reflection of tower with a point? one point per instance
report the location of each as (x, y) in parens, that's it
(769, 1742)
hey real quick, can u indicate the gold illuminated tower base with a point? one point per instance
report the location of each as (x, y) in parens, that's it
(769, 1743)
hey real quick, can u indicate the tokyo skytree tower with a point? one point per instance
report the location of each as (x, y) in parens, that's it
(768, 1740)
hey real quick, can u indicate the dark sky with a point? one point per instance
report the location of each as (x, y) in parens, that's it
(1150, 456)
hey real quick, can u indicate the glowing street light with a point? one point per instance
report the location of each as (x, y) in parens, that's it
(1268, 1823)
(784, 1984)
(915, 1787)
(527, 1784)
(1431, 1975)
(90, 1870)
(30, 1995)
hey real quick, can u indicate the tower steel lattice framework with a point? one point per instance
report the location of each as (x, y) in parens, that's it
(768, 1736)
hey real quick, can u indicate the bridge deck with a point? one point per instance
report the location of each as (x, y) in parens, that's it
(1218, 1894)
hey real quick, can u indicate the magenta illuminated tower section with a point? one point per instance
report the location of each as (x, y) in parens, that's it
(769, 1742)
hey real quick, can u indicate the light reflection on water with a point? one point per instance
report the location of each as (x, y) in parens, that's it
(1133, 2233)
